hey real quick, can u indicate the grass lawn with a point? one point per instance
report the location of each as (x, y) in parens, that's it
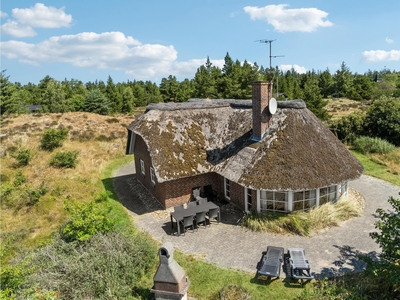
(377, 170)
(208, 280)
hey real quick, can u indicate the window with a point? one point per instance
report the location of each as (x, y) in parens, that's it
(273, 201)
(327, 194)
(142, 167)
(227, 188)
(152, 175)
(304, 200)
(249, 199)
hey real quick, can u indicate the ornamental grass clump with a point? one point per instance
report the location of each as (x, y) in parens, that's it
(366, 144)
(303, 223)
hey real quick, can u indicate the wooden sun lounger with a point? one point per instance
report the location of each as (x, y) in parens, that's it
(270, 264)
(299, 266)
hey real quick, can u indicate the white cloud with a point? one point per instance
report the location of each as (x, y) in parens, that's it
(289, 20)
(107, 50)
(42, 16)
(3, 14)
(389, 41)
(39, 16)
(381, 55)
(16, 29)
(297, 68)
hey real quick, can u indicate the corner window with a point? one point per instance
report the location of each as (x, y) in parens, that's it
(227, 189)
(152, 175)
(142, 167)
(327, 194)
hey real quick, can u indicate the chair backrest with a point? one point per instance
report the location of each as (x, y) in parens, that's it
(200, 216)
(213, 213)
(188, 221)
(196, 193)
(202, 201)
(191, 204)
(179, 208)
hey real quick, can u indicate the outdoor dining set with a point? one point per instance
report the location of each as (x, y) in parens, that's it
(194, 213)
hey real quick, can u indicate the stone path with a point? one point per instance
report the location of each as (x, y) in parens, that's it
(329, 252)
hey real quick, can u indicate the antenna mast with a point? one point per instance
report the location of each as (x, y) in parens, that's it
(270, 54)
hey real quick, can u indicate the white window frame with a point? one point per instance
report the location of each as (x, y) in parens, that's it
(248, 191)
(227, 187)
(142, 169)
(263, 206)
(152, 175)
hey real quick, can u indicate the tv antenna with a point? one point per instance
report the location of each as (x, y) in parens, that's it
(270, 54)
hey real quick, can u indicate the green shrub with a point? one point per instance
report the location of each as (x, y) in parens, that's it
(67, 159)
(108, 266)
(382, 119)
(19, 179)
(366, 144)
(53, 138)
(23, 157)
(87, 219)
(349, 127)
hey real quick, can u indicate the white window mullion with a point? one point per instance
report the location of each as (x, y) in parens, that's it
(317, 196)
(290, 201)
(258, 201)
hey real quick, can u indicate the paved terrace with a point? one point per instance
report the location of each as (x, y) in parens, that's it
(331, 251)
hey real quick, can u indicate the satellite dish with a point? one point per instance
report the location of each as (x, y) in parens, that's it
(272, 106)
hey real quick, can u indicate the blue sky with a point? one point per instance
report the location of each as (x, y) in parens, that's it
(149, 40)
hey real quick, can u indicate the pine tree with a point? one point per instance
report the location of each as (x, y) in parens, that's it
(96, 102)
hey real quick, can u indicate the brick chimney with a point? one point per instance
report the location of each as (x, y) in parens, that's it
(170, 280)
(262, 93)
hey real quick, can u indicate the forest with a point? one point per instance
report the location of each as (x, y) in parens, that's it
(233, 81)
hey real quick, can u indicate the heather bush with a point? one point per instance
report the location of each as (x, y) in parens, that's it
(108, 266)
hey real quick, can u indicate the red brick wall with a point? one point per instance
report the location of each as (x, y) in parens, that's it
(261, 93)
(175, 192)
(180, 191)
(141, 153)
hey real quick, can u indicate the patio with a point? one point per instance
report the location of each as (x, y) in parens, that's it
(329, 252)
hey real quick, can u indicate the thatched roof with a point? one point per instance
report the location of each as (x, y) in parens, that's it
(297, 152)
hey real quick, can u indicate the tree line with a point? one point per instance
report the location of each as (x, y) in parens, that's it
(233, 81)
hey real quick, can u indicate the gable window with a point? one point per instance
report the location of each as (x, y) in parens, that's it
(152, 175)
(227, 189)
(142, 167)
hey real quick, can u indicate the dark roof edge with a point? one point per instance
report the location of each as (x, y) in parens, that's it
(198, 103)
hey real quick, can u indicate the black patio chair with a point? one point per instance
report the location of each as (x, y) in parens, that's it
(213, 214)
(201, 201)
(270, 263)
(299, 266)
(187, 222)
(179, 208)
(200, 218)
